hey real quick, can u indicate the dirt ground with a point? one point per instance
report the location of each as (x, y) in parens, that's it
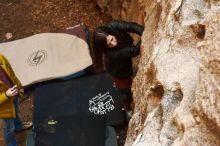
(24, 18)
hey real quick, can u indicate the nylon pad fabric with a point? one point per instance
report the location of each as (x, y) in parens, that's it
(75, 112)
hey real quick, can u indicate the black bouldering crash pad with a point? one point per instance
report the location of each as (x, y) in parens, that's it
(83, 106)
(74, 130)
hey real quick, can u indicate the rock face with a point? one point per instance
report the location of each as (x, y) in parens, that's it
(177, 87)
(131, 10)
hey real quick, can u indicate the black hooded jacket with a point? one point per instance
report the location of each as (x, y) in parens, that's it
(118, 60)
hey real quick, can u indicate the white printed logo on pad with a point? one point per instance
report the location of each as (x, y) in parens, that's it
(101, 104)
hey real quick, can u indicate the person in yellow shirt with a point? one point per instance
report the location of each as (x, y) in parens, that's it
(10, 90)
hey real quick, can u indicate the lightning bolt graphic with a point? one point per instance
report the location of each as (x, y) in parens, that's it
(37, 58)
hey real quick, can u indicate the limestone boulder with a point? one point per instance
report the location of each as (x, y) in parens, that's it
(176, 90)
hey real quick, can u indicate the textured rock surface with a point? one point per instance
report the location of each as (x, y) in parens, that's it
(177, 87)
(131, 10)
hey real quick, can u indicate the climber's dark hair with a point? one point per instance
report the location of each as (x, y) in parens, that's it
(99, 46)
(99, 38)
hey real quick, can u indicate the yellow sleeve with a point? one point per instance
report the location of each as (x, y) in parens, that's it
(3, 97)
(17, 82)
(12, 74)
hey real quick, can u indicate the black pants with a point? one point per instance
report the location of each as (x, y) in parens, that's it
(127, 98)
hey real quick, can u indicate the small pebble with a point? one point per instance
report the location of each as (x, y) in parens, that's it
(8, 35)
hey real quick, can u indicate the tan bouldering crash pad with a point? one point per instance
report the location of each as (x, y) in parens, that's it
(47, 56)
